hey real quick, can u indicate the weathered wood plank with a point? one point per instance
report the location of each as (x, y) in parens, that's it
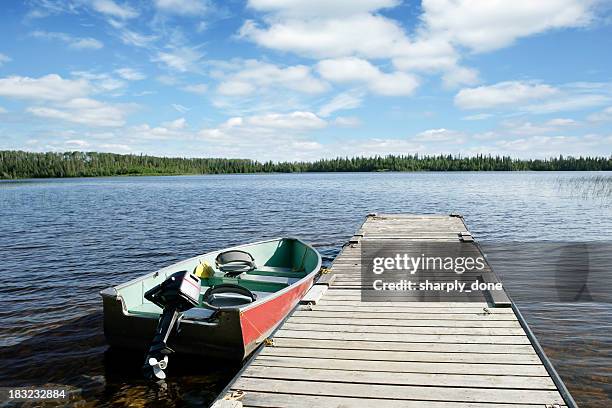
(349, 328)
(403, 346)
(382, 377)
(302, 317)
(404, 392)
(418, 338)
(319, 311)
(534, 370)
(419, 356)
(278, 400)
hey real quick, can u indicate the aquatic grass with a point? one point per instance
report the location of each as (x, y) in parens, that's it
(587, 187)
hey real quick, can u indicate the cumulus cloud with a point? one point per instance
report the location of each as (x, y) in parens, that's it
(100, 82)
(84, 111)
(319, 8)
(502, 94)
(276, 136)
(248, 76)
(439, 135)
(359, 70)
(446, 27)
(366, 35)
(235, 88)
(488, 25)
(50, 87)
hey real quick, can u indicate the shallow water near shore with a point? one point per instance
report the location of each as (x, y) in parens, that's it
(63, 241)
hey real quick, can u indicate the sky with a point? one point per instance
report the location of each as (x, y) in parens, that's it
(307, 79)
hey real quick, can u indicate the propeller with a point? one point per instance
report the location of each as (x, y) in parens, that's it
(158, 366)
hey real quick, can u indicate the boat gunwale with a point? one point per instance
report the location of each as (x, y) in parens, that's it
(241, 309)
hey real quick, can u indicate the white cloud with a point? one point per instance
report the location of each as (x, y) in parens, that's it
(180, 123)
(76, 143)
(4, 59)
(50, 87)
(344, 101)
(84, 111)
(110, 8)
(182, 7)
(502, 94)
(359, 70)
(522, 127)
(601, 116)
(235, 88)
(337, 29)
(130, 74)
(134, 38)
(548, 146)
(561, 122)
(2, 110)
(478, 116)
(366, 35)
(181, 59)
(100, 82)
(492, 24)
(200, 89)
(457, 75)
(301, 121)
(252, 75)
(271, 136)
(347, 121)
(569, 102)
(439, 135)
(180, 108)
(320, 8)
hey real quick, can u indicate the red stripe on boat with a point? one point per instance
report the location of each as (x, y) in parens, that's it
(258, 321)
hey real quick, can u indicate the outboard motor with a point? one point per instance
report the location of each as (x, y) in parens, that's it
(175, 295)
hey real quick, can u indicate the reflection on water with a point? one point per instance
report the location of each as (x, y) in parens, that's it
(63, 241)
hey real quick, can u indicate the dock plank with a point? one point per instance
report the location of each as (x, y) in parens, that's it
(403, 392)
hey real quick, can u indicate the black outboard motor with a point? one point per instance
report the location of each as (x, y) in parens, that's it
(175, 295)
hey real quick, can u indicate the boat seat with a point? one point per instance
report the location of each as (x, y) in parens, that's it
(277, 271)
(263, 278)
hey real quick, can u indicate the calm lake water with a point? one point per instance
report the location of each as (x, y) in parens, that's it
(62, 241)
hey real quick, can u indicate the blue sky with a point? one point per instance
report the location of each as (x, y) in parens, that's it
(305, 79)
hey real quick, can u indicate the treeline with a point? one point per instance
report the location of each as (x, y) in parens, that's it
(20, 164)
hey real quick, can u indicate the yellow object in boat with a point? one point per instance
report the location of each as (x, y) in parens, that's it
(204, 270)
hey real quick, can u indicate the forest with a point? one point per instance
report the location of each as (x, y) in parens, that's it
(20, 164)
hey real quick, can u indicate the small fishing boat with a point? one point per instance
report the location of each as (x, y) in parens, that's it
(240, 295)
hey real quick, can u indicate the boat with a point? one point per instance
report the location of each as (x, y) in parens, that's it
(245, 293)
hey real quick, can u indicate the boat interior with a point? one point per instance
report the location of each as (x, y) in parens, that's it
(276, 265)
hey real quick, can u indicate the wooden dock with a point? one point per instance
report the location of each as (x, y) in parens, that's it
(336, 351)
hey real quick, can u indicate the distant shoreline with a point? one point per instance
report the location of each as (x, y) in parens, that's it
(15, 165)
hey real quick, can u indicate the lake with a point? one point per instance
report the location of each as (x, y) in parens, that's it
(62, 241)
